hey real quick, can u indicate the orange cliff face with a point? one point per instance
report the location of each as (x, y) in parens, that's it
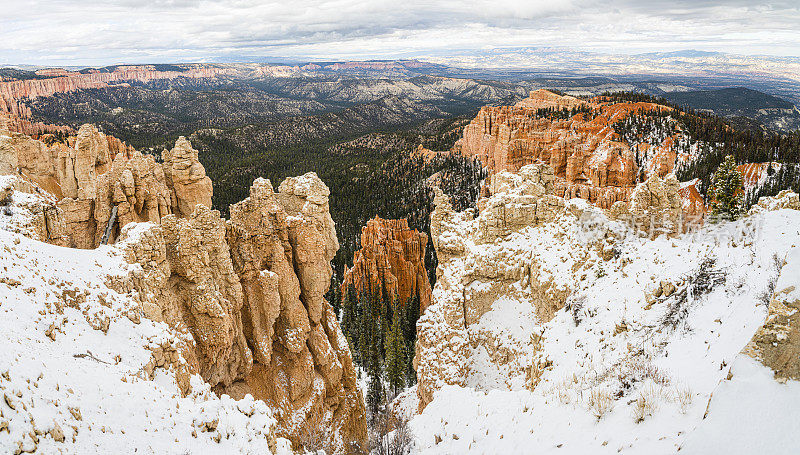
(391, 260)
(589, 159)
(754, 174)
(13, 93)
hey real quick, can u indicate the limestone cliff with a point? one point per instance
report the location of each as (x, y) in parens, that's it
(281, 244)
(475, 269)
(247, 293)
(525, 253)
(14, 93)
(777, 343)
(391, 261)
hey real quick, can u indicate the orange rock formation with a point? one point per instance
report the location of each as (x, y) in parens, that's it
(248, 292)
(588, 158)
(392, 261)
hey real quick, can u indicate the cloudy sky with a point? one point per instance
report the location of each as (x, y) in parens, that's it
(99, 32)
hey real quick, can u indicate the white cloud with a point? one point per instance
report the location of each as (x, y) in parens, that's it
(104, 32)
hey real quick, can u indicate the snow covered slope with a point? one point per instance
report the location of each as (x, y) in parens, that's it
(77, 359)
(647, 331)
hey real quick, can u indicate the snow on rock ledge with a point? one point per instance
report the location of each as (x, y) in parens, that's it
(77, 360)
(576, 334)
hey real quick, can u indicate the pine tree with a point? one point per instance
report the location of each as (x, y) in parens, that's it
(396, 354)
(350, 326)
(375, 391)
(366, 322)
(725, 191)
(410, 317)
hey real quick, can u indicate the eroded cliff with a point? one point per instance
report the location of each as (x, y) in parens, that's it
(247, 293)
(588, 158)
(391, 262)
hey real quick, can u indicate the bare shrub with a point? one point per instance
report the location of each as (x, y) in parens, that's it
(766, 296)
(575, 306)
(562, 391)
(684, 396)
(635, 371)
(698, 284)
(389, 434)
(401, 438)
(312, 439)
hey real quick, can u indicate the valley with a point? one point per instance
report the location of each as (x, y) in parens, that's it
(396, 257)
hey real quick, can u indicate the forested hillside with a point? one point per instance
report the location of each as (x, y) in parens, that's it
(711, 138)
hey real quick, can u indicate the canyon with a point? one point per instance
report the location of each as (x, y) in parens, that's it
(14, 93)
(577, 303)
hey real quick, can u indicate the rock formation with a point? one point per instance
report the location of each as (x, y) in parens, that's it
(525, 254)
(187, 178)
(31, 211)
(589, 160)
(777, 343)
(656, 207)
(391, 261)
(522, 200)
(93, 173)
(476, 267)
(36, 130)
(250, 292)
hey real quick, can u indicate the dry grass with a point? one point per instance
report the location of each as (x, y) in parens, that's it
(684, 396)
(646, 403)
(600, 402)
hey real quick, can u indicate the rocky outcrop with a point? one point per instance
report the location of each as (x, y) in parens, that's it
(250, 292)
(786, 199)
(391, 262)
(187, 178)
(480, 264)
(588, 159)
(36, 130)
(186, 279)
(31, 211)
(92, 173)
(656, 207)
(522, 199)
(777, 343)
(506, 271)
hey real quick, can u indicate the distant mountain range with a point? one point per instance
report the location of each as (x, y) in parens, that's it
(737, 102)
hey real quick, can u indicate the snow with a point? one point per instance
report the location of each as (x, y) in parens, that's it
(751, 413)
(653, 380)
(89, 382)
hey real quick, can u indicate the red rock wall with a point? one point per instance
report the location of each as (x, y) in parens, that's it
(12, 92)
(391, 260)
(586, 154)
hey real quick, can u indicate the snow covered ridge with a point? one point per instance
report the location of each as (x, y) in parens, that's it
(555, 328)
(76, 363)
(95, 362)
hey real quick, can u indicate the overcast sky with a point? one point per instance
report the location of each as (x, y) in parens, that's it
(100, 32)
